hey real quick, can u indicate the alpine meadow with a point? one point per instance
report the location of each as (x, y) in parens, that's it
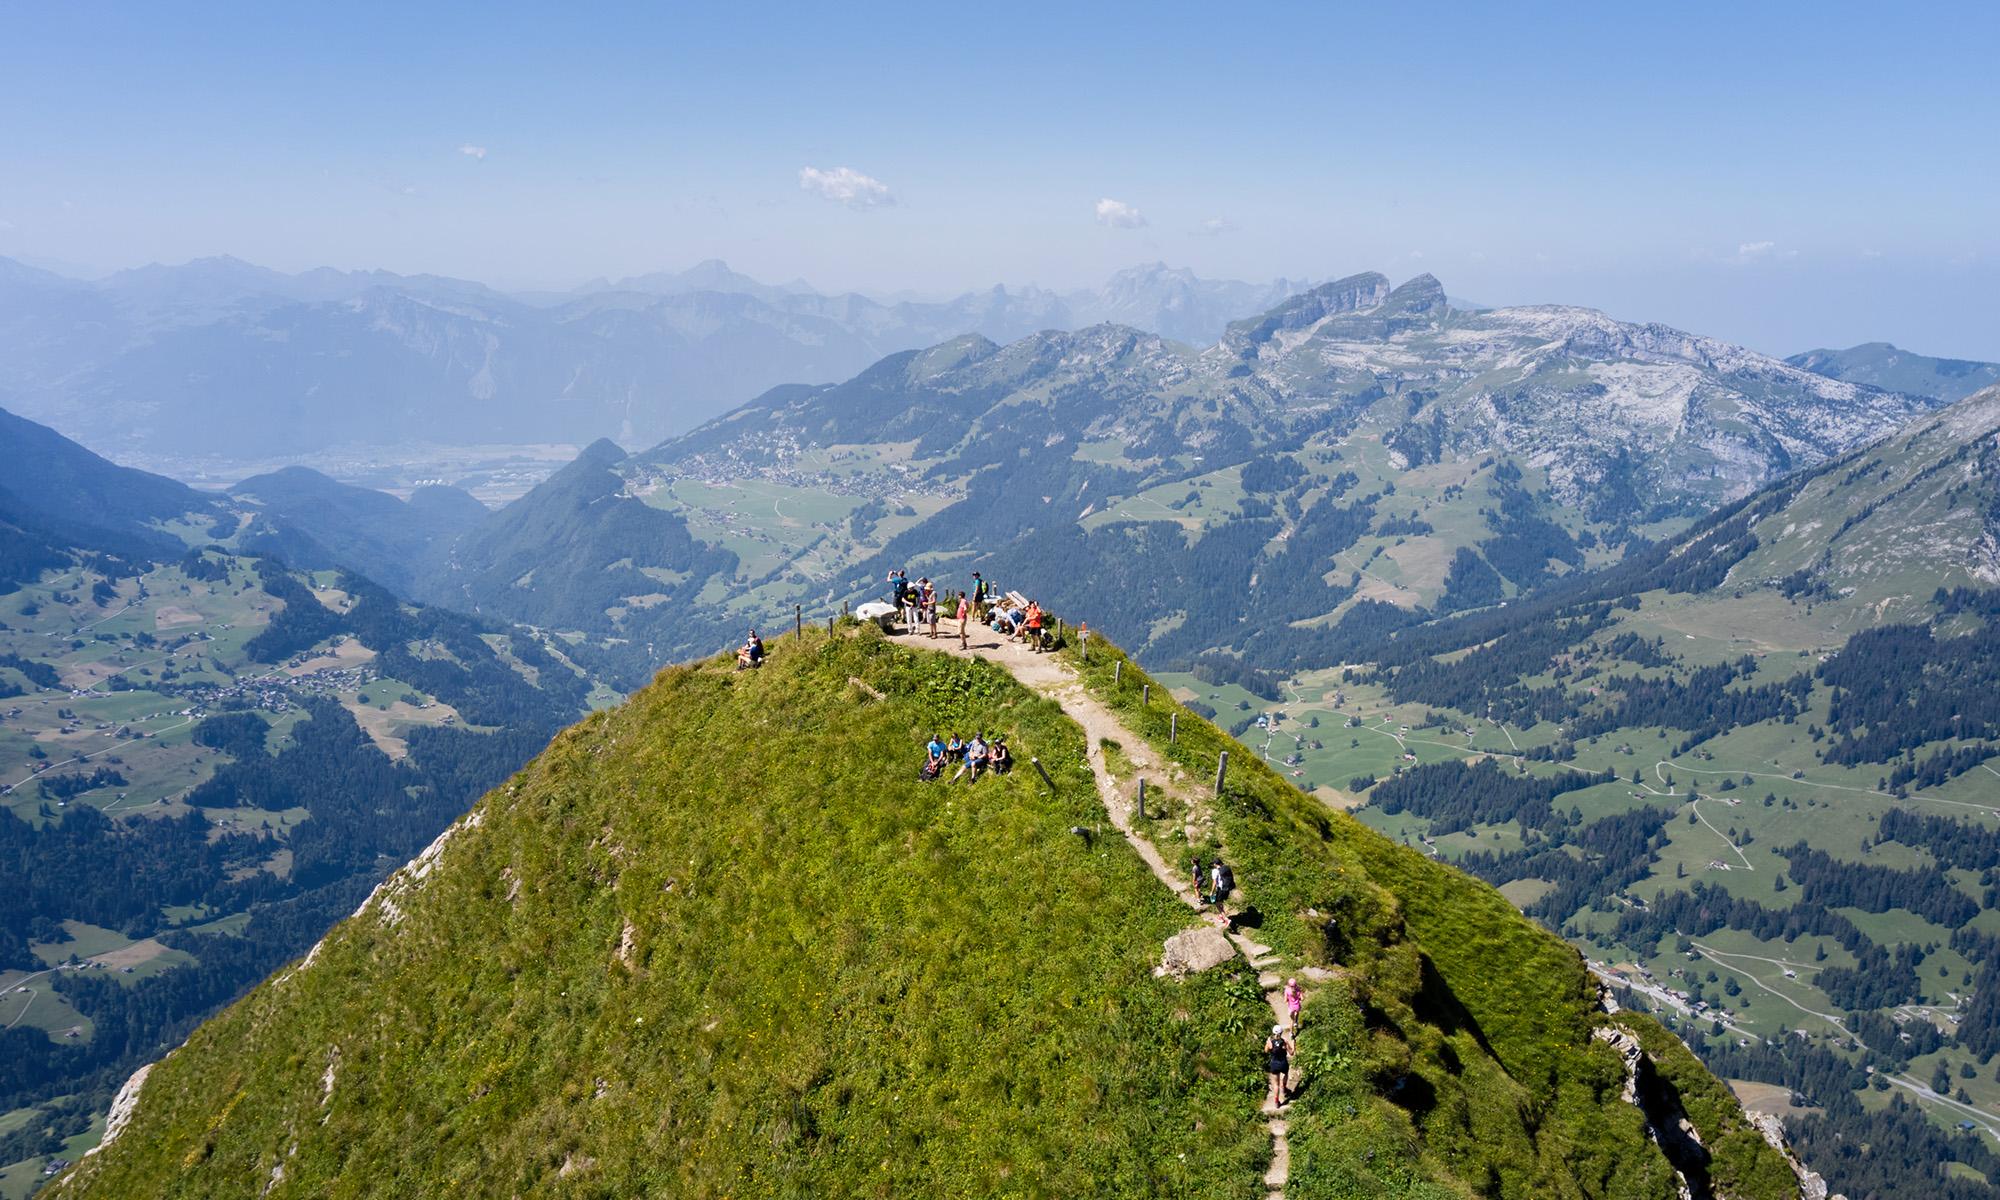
(1284, 604)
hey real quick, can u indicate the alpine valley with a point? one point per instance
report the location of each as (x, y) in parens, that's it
(1687, 651)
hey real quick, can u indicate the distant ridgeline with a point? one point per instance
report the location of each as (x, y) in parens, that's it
(722, 940)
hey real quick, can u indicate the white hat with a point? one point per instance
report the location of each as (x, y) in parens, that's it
(1277, 1029)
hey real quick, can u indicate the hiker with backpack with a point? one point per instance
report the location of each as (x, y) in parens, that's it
(1222, 881)
(1278, 1064)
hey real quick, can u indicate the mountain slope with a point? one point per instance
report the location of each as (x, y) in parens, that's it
(791, 968)
(577, 552)
(1357, 458)
(1750, 772)
(53, 475)
(376, 534)
(207, 756)
(1882, 365)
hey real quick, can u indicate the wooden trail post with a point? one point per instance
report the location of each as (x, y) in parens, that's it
(1145, 693)
(829, 624)
(1044, 773)
(1173, 726)
(1221, 769)
(843, 608)
(798, 621)
(1117, 671)
(1142, 797)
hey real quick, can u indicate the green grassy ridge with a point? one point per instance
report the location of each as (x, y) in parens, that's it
(1495, 1013)
(843, 981)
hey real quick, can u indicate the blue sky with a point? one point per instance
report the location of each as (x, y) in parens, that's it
(1789, 176)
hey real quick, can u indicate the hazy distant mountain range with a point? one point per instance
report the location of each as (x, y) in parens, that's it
(1882, 365)
(223, 358)
(1358, 456)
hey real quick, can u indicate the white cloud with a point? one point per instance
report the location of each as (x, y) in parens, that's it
(1751, 252)
(845, 185)
(1119, 215)
(472, 151)
(1213, 227)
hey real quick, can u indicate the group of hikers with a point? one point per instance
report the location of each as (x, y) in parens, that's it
(1282, 1045)
(918, 604)
(1213, 883)
(973, 757)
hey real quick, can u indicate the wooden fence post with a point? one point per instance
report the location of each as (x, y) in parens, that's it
(1146, 693)
(1142, 797)
(1173, 726)
(1117, 671)
(1221, 769)
(1044, 773)
(798, 621)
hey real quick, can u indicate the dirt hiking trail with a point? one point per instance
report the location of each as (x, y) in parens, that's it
(1046, 675)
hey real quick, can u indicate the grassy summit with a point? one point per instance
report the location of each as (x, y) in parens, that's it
(722, 942)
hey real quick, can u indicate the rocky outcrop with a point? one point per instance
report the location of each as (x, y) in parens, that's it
(1666, 1125)
(1812, 1186)
(123, 1105)
(1194, 950)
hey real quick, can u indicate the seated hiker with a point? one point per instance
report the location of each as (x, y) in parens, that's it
(933, 767)
(975, 754)
(998, 760)
(954, 749)
(755, 645)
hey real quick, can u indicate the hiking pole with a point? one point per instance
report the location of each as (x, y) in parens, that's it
(1044, 773)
